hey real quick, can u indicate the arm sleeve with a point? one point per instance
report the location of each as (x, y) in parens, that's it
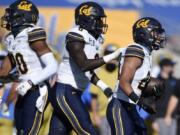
(50, 68)
(37, 34)
(134, 51)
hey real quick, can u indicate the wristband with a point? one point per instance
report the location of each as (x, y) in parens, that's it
(108, 92)
(134, 97)
(101, 85)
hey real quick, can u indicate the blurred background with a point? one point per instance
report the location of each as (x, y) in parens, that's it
(57, 17)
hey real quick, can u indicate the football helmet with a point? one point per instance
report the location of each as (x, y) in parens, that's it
(150, 33)
(21, 12)
(91, 16)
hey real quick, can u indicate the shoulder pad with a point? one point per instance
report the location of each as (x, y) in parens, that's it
(84, 33)
(36, 34)
(135, 51)
(72, 37)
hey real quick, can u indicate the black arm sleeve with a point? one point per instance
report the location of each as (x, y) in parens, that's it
(75, 46)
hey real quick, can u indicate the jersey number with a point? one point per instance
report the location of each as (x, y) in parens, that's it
(21, 63)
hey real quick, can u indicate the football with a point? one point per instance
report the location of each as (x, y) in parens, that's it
(155, 87)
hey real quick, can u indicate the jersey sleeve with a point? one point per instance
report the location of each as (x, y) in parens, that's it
(74, 37)
(36, 34)
(134, 51)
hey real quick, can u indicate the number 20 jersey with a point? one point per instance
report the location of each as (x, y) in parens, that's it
(69, 72)
(22, 56)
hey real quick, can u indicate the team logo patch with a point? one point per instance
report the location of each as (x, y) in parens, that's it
(25, 6)
(85, 10)
(142, 23)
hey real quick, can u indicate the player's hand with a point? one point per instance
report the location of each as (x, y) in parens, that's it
(146, 106)
(23, 87)
(112, 56)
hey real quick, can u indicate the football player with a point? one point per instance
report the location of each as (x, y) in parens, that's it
(76, 70)
(134, 75)
(30, 54)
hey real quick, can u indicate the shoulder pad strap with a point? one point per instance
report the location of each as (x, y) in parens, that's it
(36, 34)
(73, 37)
(134, 51)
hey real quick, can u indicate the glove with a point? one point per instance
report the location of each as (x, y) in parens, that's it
(23, 87)
(146, 106)
(112, 56)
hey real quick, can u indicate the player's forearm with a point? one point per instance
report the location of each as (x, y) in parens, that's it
(171, 106)
(6, 66)
(125, 85)
(91, 64)
(50, 68)
(3, 73)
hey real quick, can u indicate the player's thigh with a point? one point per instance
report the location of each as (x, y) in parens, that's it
(44, 130)
(69, 100)
(138, 122)
(57, 127)
(118, 118)
(28, 118)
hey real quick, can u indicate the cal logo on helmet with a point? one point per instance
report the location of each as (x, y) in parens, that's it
(142, 23)
(25, 6)
(85, 10)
